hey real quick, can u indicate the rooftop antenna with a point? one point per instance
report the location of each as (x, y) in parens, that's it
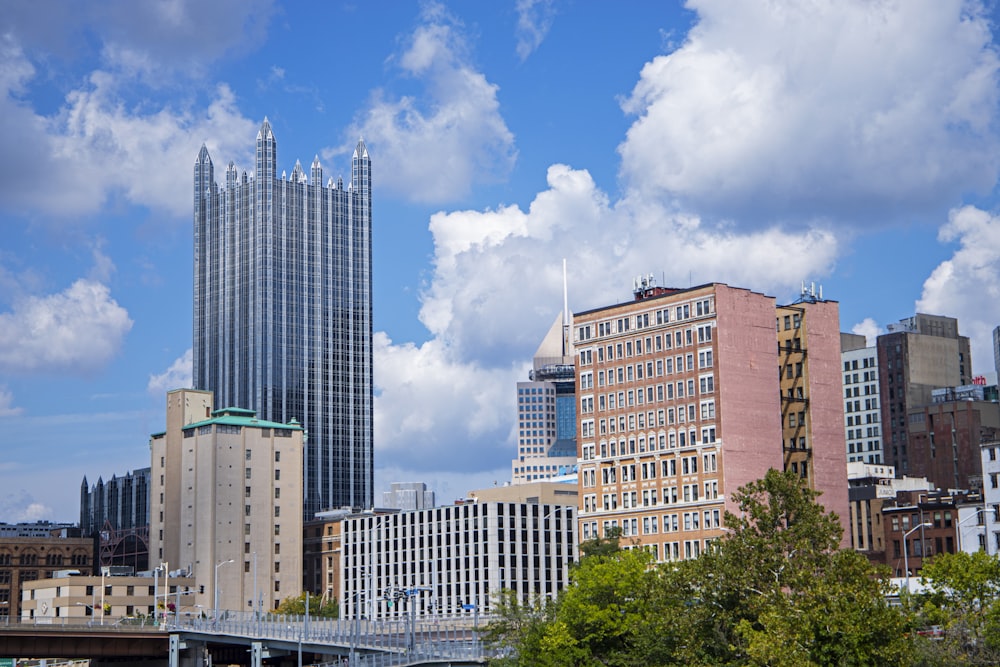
(566, 323)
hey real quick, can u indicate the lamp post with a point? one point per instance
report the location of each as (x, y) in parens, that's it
(102, 596)
(215, 608)
(906, 552)
(90, 607)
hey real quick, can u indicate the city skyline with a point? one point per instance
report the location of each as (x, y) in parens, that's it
(850, 144)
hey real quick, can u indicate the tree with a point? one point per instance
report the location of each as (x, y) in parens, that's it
(961, 601)
(317, 607)
(774, 590)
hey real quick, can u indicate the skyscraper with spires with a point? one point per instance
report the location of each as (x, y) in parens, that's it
(282, 309)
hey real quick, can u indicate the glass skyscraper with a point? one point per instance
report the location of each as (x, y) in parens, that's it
(282, 309)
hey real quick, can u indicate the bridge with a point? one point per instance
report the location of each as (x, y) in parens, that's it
(256, 641)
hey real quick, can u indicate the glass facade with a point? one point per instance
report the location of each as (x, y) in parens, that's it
(282, 310)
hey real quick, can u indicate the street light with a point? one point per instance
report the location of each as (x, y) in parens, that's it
(906, 552)
(215, 608)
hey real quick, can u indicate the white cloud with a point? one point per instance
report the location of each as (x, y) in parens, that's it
(434, 147)
(149, 38)
(495, 268)
(534, 19)
(76, 331)
(844, 109)
(177, 376)
(448, 404)
(967, 285)
(95, 147)
(20, 506)
(7, 408)
(868, 328)
(437, 412)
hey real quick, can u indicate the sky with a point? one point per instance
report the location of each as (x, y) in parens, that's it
(852, 144)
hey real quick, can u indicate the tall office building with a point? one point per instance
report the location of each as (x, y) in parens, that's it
(282, 309)
(862, 404)
(679, 406)
(546, 411)
(117, 511)
(918, 355)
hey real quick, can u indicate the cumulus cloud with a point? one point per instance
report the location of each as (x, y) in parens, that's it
(435, 146)
(177, 376)
(497, 285)
(94, 147)
(534, 19)
(7, 408)
(499, 266)
(429, 399)
(837, 109)
(76, 331)
(20, 506)
(149, 37)
(967, 285)
(868, 328)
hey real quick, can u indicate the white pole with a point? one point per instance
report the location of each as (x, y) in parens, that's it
(102, 596)
(166, 589)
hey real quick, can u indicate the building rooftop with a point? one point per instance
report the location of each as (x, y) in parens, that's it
(242, 417)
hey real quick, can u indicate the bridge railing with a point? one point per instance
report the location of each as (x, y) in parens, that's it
(382, 643)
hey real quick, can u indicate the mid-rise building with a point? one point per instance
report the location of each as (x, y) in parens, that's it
(919, 525)
(117, 512)
(945, 437)
(407, 496)
(862, 405)
(227, 502)
(454, 560)
(28, 559)
(679, 406)
(546, 410)
(871, 487)
(282, 309)
(990, 515)
(70, 597)
(918, 355)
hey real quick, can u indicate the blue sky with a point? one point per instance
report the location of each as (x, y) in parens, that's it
(760, 143)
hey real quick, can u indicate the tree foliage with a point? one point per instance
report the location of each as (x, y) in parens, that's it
(775, 590)
(957, 617)
(317, 607)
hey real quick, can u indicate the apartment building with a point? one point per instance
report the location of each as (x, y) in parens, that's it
(679, 405)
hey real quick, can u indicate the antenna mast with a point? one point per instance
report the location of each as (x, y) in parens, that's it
(566, 324)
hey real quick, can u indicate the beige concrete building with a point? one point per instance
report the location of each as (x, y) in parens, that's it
(69, 597)
(226, 502)
(545, 492)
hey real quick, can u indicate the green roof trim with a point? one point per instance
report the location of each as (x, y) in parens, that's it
(242, 417)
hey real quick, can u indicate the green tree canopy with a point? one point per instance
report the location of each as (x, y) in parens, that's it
(317, 607)
(957, 617)
(774, 590)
